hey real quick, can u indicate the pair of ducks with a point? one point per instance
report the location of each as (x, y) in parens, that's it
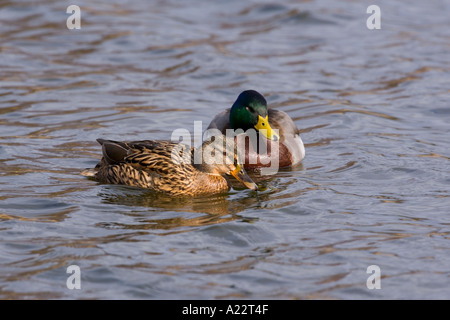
(164, 166)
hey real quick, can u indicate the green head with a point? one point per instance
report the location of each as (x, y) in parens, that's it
(249, 111)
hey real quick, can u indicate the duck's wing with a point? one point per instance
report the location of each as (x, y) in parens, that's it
(114, 152)
(154, 157)
(282, 121)
(289, 134)
(221, 121)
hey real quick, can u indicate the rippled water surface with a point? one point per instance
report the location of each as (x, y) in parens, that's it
(372, 106)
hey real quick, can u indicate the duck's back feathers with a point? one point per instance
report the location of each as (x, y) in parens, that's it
(283, 122)
(162, 166)
(221, 121)
(289, 136)
(155, 157)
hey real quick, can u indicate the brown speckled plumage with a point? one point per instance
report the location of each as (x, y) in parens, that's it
(161, 166)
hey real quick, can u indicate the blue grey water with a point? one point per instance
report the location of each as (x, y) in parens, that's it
(373, 110)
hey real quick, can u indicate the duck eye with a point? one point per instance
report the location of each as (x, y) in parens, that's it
(250, 109)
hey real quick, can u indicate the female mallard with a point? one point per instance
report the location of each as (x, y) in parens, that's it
(250, 112)
(171, 168)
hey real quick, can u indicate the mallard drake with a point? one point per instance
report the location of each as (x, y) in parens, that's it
(250, 111)
(171, 168)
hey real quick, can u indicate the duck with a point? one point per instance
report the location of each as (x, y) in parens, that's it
(250, 111)
(171, 168)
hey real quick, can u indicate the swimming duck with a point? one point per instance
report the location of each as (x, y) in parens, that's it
(171, 168)
(250, 111)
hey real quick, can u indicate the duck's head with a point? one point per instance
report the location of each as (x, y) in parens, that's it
(219, 156)
(249, 111)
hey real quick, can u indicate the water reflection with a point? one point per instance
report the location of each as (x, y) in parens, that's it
(209, 210)
(212, 209)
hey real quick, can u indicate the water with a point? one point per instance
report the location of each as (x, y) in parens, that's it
(373, 110)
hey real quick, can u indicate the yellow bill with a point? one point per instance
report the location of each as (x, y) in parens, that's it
(263, 126)
(242, 176)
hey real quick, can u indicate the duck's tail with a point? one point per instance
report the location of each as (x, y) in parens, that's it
(89, 173)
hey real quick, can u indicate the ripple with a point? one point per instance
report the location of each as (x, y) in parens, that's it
(371, 106)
